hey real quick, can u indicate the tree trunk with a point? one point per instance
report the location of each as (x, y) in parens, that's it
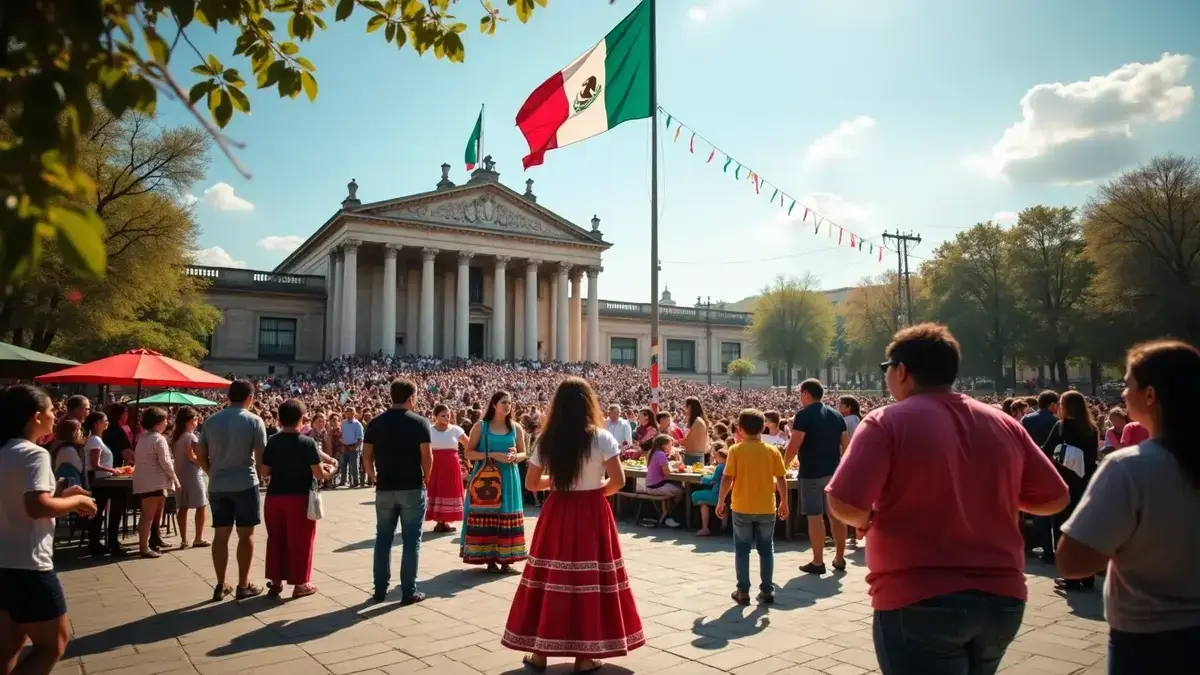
(789, 376)
(1095, 374)
(741, 383)
(1014, 370)
(18, 337)
(829, 374)
(1064, 377)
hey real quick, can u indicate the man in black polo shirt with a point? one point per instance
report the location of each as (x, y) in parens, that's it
(398, 458)
(819, 436)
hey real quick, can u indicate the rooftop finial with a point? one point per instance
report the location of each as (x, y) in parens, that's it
(445, 183)
(351, 199)
(529, 190)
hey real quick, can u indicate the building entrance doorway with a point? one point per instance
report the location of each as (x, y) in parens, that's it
(475, 340)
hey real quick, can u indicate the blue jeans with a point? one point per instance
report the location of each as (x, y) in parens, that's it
(1165, 653)
(754, 531)
(406, 507)
(963, 633)
(348, 469)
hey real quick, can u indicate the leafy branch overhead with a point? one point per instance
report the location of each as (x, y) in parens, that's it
(59, 56)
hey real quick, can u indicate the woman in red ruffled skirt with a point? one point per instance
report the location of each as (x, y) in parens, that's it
(445, 492)
(574, 598)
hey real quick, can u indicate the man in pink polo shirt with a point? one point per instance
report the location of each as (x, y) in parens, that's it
(938, 479)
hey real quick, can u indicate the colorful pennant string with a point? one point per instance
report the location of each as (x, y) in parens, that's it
(786, 201)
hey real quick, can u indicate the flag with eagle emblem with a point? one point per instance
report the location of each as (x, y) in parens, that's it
(608, 85)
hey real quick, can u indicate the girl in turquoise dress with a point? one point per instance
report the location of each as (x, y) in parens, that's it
(493, 531)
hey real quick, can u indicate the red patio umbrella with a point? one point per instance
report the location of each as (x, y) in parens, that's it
(136, 367)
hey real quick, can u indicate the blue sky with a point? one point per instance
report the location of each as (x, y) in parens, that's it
(923, 114)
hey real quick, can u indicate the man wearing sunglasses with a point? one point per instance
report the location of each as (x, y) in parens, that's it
(939, 479)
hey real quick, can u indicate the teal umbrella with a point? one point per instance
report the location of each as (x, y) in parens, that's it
(175, 398)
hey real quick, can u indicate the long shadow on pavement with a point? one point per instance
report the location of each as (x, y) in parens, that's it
(168, 625)
(732, 624)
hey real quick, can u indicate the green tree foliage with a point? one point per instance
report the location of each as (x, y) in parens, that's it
(839, 347)
(792, 324)
(1143, 235)
(740, 369)
(874, 312)
(971, 289)
(59, 53)
(145, 300)
(1052, 275)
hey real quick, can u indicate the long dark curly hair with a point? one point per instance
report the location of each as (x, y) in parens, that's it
(566, 439)
(491, 410)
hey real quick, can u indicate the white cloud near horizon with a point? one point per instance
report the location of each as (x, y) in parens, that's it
(215, 257)
(842, 143)
(1081, 131)
(281, 243)
(221, 197)
(1004, 217)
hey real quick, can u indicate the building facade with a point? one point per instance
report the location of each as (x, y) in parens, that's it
(470, 271)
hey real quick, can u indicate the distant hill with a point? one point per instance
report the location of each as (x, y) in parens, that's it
(835, 295)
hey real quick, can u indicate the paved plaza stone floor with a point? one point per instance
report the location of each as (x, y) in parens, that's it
(149, 617)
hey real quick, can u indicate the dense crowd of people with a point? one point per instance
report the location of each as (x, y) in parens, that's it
(474, 443)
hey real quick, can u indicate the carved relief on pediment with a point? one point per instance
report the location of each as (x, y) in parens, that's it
(483, 211)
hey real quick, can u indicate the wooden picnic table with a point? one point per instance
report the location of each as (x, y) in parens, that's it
(689, 479)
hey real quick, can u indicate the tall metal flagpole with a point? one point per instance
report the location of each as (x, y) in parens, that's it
(653, 209)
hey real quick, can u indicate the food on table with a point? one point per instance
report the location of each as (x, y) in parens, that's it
(697, 468)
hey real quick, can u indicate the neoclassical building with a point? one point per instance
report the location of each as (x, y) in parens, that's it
(475, 270)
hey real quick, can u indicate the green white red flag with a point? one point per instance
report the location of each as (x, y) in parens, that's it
(608, 85)
(475, 143)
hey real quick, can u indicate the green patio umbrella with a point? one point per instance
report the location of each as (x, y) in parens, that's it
(175, 398)
(18, 362)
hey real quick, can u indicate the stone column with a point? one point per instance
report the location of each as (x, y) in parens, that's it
(448, 314)
(499, 307)
(412, 301)
(562, 334)
(388, 330)
(334, 300)
(350, 296)
(425, 345)
(575, 322)
(593, 319)
(463, 305)
(531, 309)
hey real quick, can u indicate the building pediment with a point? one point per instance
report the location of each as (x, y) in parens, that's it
(490, 208)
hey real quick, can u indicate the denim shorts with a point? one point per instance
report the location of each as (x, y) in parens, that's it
(812, 495)
(235, 509)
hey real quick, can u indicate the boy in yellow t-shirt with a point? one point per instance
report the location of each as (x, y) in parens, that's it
(754, 474)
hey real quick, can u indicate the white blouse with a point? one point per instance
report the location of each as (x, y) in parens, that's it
(106, 456)
(446, 440)
(591, 475)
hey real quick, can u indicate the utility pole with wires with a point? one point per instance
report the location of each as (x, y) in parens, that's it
(903, 283)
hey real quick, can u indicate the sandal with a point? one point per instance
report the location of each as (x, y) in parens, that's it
(274, 590)
(200, 543)
(247, 591)
(304, 590)
(529, 663)
(149, 555)
(184, 545)
(839, 564)
(704, 533)
(596, 665)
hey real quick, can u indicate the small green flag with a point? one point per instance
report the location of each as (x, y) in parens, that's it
(475, 143)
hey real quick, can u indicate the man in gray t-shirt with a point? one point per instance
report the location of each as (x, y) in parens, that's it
(230, 450)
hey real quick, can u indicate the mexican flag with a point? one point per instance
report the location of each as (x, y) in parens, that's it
(475, 143)
(608, 85)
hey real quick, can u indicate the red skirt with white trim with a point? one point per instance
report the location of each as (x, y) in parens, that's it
(574, 597)
(445, 488)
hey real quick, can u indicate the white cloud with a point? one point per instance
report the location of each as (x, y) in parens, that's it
(1004, 217)
(215, 257)
(221, 196)
(189, 199)
(1084, 130)
(281, 243)
(850, 215)
(714, 9)
(843, 142)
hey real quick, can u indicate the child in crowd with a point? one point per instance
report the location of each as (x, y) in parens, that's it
(706, 497)
(658, 472)
(751, 470)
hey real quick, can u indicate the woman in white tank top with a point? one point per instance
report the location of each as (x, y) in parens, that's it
(445, 484)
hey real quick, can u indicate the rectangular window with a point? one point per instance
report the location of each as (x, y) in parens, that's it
(277, 339)
(681, 355)
(475, 285)
(730, 351)
(622, 351)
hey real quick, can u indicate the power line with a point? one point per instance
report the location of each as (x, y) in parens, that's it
(903, 284)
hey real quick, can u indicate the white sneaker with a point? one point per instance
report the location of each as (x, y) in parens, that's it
(670, 522)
